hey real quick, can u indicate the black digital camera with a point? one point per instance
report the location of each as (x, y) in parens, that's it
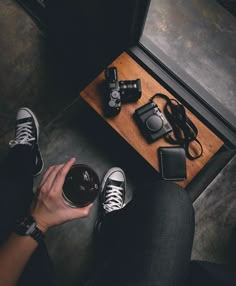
(152, 121)
(119, 92)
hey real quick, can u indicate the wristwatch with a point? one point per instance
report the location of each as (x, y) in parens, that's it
(27, 226)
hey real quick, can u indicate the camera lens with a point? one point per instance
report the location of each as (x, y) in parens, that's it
(130, 90)
(154, 123)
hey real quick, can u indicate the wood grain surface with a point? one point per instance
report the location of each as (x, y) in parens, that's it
(124, 124)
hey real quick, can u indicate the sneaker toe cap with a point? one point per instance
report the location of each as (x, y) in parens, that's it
(22, 113)
(117, 176)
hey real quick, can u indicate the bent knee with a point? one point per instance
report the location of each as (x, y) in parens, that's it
(167, 193)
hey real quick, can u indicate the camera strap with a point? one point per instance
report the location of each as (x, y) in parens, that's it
(184, 130)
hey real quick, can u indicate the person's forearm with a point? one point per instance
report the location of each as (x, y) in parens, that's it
(49, 209)
(14, 255)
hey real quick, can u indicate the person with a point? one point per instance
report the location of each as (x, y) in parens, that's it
(24, 259)
(145, 242)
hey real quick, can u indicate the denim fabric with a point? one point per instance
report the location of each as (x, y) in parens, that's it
(149, 242)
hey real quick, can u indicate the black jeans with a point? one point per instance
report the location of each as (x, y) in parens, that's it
(149, 242)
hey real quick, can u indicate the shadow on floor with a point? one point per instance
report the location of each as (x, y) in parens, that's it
(68, 128)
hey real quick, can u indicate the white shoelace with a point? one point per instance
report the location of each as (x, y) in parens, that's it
(23, 134)
(114, 200)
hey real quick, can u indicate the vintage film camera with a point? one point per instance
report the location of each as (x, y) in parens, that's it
(152, 121)
(118, 92)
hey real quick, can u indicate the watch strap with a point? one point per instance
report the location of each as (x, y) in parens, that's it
(37, 235)
(26, 226)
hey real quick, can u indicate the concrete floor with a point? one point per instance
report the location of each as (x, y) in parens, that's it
(28, 78)
(215, 219)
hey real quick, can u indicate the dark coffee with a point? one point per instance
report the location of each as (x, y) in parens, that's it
(81, 186)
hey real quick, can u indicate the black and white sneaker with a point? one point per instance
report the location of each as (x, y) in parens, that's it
(112, 195)
(113, 188)
(27, 133)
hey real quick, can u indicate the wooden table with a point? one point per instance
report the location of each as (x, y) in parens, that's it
(124, 124)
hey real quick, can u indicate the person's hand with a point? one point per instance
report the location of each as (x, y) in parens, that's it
(50, 209)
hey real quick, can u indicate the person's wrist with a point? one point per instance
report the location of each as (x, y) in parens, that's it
(39, 223)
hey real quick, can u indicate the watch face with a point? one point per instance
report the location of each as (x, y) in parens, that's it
(25, 226)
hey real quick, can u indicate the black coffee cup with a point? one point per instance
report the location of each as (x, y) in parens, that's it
(81, 186)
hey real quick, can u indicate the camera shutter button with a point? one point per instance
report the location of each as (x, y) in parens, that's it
(115, 94)
(154, 123)
(112, 103)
